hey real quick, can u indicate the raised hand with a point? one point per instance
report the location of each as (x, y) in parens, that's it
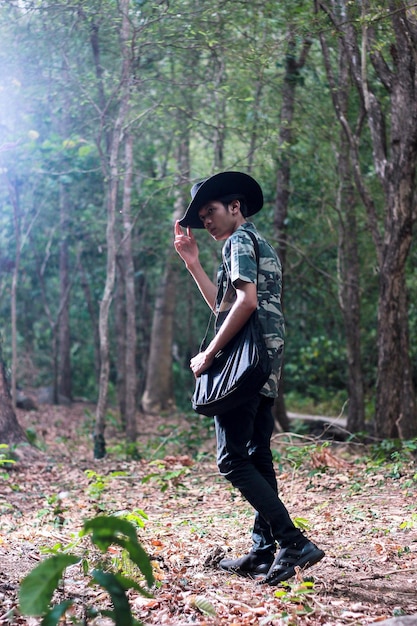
(185, 244)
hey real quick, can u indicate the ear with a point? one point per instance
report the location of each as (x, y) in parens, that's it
(235, 206)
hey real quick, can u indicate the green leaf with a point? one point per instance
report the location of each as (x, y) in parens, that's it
(107, 530)
(141, 559)
(301, 523)
(84, 151)
(137, 517)
(129, 583)
(38, 586)
(122, 615)
(53, 616)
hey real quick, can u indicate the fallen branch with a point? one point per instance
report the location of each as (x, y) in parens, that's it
(389, 573)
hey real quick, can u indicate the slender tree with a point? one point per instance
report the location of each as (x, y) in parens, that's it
(294, 62)
(129, 282)
(348, 260)
(14, 196)
(64, 339)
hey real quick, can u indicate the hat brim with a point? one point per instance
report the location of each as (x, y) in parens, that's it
(219, 185)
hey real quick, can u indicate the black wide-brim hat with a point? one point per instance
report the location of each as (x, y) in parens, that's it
(219, 186)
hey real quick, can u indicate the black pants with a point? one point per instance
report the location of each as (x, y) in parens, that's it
(244, 458)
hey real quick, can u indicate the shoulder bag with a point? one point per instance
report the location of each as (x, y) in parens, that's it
(238, 371)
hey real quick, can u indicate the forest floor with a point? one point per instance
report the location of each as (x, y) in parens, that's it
(361, 512)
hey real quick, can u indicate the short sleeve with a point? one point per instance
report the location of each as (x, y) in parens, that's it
(242, 258)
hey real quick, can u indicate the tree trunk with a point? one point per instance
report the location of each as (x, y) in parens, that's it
(159, 393)
(395, 396)
(396, 409)
(129, 283)
(349, 294)
(219, 97)
(145, 310)
(292, 68)
(120, 338)
(13, 191)
(111, 170)
(53, 323)
(11, 432)
(64, 359)
(348, 261)
(92, 311)
(256, 107)
(99, 440)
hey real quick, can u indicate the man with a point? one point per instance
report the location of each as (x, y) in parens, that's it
(221, 204)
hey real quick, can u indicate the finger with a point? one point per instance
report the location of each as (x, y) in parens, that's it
(191, 234)
(177, 228)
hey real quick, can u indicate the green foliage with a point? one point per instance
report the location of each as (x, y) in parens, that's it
(32, 436)
(409, 523)
(176, 441)
(165, 476)
(54, 616)
(394, 451)
(38, 587)
(116, 586)
(137, 517)
(113, 530)
(317, 369)
(5, 459)
(302, 523)
(296, 596)
(99, 483)
(332, 405)
(297, 455)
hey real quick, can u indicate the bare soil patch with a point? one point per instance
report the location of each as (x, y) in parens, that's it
(363, 516)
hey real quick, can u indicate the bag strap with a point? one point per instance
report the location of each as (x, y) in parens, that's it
(256, 249)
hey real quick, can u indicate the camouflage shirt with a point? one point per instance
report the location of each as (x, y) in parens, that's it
(239, 262)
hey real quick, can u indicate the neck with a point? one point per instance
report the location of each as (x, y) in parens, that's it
(239, 221)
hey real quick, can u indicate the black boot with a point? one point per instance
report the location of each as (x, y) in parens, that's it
(284, 565)
(251, 565)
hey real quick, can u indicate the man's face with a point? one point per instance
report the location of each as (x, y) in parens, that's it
(220, 221)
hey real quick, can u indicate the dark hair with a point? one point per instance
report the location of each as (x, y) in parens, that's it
(226, 200)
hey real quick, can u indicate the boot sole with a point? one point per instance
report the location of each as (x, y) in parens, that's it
(243, 573)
